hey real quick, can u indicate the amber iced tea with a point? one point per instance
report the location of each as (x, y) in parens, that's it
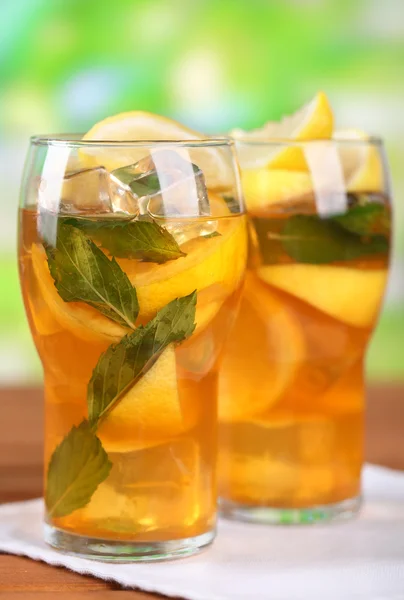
(292, 385)
(129, 314)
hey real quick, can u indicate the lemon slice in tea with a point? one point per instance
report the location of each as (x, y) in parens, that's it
(151, 409)
(349, 295)
(266, 345)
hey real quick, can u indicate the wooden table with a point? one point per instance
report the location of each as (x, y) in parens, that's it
(21, 478)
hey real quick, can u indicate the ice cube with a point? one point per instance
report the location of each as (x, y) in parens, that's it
(258, 461)
(166, 184)
(168, 485)
(86, 191)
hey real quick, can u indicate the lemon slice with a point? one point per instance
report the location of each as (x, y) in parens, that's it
(43, 321)
(213, 266)
(218, 261)
(314, 121)
(139, 125)
(350, 295)
(361, 162)
(83, 321)
(261, 357)
(264, 187)
(151, 409)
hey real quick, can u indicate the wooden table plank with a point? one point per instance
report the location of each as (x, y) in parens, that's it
(23, 574)
(385, 425)
(21, 478)
(77, 595)
(21, 434)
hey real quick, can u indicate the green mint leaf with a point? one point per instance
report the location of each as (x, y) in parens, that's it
(310, 239)
(141, 184)
(140, 239)
(367, 219)
(83, 273)
(143, 179)
(77, 467)
(122, 364)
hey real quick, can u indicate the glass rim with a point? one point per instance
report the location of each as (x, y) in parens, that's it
(372, 140)
(74, 140)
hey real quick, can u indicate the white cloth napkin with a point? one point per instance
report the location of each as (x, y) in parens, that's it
(360, 559)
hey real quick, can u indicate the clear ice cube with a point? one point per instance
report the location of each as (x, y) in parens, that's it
(87, 192)
(155, 488)
(166, 185)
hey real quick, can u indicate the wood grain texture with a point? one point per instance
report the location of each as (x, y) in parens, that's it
(21, 417)
(76, 595)
(23, 574)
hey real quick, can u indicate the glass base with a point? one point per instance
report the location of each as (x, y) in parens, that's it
(322, 513)
(122, 552)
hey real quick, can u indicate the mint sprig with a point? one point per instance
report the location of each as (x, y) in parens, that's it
(123, 364)
(82, 272)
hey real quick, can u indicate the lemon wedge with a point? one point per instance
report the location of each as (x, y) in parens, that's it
(314, 121)
(139, 125)
(261, 357)
(151, 409)
(352, 296)
(264, 187)
(361, 162)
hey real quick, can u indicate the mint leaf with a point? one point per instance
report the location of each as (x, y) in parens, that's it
(122, 364)
(144, 240)
(83, 273)
(143, 178)
(310, 239)
(366, 219)
(77, 467)
(141, 184)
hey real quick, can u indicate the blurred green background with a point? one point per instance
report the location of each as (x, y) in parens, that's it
(213, 64)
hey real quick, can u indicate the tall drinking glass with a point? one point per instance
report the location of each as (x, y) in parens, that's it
(131, 257)
(292, 386)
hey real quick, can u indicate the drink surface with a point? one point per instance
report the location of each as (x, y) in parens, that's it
(292, 389)
(157, 440)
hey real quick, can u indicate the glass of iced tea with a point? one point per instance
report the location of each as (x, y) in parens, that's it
(131, 258)
(291, 404)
